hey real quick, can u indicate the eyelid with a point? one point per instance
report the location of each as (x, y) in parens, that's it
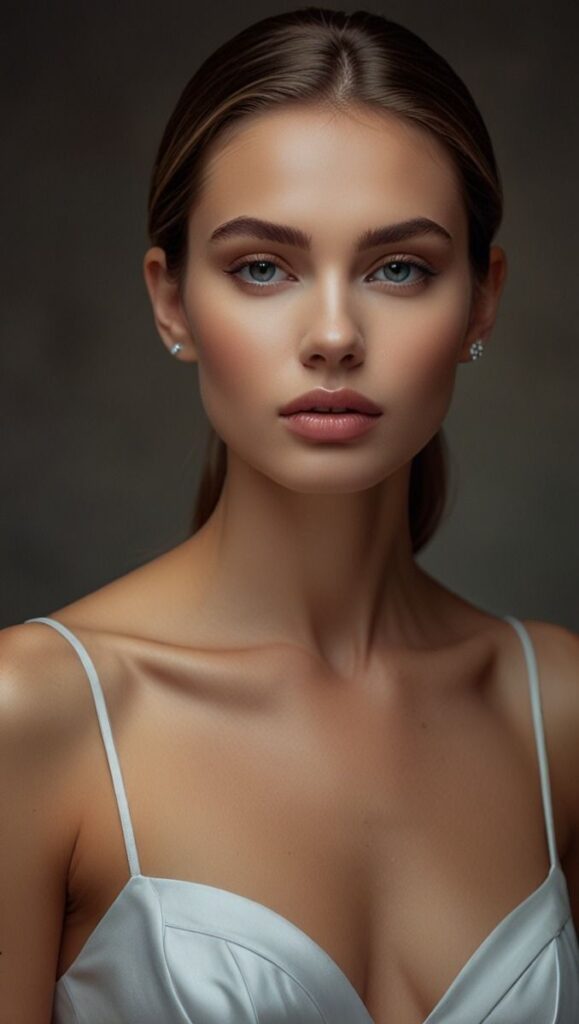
(244, 261)
(415, 261)
(268, 258)
(258, 257)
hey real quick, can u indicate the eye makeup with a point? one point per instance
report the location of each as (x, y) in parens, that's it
(401, 261)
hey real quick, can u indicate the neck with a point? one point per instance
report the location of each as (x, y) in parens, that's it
(332, 573)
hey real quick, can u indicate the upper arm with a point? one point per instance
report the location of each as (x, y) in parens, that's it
(571, 865)
(38, 818)
(557, 651)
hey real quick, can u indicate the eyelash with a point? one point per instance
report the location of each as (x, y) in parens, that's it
(387, 285)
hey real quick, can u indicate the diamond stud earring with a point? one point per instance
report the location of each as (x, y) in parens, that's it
(476, 349)
(177, 347)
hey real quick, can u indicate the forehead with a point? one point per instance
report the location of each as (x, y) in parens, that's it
(314, 162)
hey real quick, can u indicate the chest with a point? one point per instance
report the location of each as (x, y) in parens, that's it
(371, 827)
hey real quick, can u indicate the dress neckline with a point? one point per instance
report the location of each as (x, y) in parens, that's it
(237, 904)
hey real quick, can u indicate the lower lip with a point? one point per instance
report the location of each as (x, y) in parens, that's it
(330, 426)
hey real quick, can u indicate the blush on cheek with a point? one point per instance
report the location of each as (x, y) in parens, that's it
(435, 372)
(423, 360)
(224, 358)
(421, 370)
(229, 372)
(435, 354)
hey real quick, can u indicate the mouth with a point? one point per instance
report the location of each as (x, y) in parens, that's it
(334, 423)
(331, 413)
(324, 402)
(320, 410)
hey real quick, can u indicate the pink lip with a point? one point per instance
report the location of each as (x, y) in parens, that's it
(330, 426)
(341, 398)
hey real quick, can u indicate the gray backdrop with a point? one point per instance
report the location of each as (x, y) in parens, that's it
(102, 432)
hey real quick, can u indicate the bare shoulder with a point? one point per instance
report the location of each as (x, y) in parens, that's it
(41, 691)
(43, 722)
(47, 725)
(46, 713)
(559, 645)
(557, 650)
(557, 653)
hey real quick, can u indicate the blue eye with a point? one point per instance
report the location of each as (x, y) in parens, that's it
(395, 267)
(261, 273)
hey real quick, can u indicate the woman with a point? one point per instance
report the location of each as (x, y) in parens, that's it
(316, 785)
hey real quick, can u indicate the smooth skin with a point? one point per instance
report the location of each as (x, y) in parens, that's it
(311, 543)
(353, 741)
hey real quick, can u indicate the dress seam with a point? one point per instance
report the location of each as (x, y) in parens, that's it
(243, 978)
(524, 971)
(283, 970)
(65, 989)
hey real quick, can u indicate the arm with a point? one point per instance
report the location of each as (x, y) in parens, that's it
(558, 659)
(571, 864)
(37, 818)
(571, 868)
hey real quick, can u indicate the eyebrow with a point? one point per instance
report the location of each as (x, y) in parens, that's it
(254, 227)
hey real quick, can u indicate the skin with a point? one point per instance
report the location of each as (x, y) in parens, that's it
(362, 812)
(310, 543)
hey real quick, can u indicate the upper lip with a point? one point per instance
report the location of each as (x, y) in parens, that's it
(343, 398)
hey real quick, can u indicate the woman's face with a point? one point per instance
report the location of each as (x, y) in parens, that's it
(389, 321)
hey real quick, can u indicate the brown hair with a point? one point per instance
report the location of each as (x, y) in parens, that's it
(314, 55)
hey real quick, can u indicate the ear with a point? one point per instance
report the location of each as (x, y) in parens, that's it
(485, 302)
(167, 305)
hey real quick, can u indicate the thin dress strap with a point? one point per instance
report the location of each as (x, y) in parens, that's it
(105, 727)
(539, 732)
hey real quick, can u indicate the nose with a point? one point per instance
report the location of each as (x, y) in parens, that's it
(334, 337)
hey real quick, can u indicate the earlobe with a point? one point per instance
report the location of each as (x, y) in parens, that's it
(485, 306)
(167, 307)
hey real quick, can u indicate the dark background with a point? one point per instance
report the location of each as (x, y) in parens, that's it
(102, 431)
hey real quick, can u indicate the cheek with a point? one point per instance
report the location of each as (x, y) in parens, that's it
(232, 359)
(427, 344)
(418, 365)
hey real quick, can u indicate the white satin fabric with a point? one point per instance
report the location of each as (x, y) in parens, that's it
(169, 951)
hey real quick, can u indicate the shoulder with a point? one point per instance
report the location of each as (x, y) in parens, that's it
(557, 655)
(47, 711)
(44, 686)
(559, 643)
(557, 650)
(46, 729)
(42, 693)
(43, 723)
